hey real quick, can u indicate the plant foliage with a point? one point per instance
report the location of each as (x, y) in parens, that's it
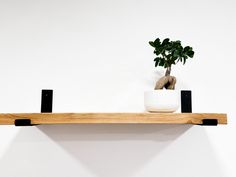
(170, 52)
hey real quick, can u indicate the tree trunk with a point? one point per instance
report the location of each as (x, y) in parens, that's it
(168, 70)
(167, 82)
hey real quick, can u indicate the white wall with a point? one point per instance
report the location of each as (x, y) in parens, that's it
(96, 57)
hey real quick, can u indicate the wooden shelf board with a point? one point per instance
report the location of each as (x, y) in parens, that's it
(143, 118)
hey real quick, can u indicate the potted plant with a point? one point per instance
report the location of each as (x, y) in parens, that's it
(164, 98)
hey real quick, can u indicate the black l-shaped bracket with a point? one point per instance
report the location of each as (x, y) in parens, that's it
(46, 107)
(186, 107)
(23, 122)
(209, 122)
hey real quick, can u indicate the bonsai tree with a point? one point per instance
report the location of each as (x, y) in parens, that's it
(169, 53)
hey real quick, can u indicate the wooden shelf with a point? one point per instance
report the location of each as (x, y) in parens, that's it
(104, 118)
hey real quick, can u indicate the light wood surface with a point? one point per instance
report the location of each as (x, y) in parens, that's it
(143, 118)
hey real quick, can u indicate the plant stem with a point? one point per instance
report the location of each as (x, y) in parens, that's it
(168, 70)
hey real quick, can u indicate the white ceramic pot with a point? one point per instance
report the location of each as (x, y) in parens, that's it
(166, 101)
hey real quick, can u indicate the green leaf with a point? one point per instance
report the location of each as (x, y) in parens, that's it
(157, 61)
(185, 57)
(166, 41)
(158, 51)
(184, 60)
(178, 42)
(187, 48)
(157, 42)
(151, 43)
(190, 54)
(175, 53)
(162, 62)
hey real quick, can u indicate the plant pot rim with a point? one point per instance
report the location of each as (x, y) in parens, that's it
(162, 90)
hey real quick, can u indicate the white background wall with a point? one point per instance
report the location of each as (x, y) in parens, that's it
(95, 56)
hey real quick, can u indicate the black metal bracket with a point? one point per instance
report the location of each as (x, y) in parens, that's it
(209, 122)
(23, 122)
(46, 101)
(46, 107)
(186, 101)
(186, 107)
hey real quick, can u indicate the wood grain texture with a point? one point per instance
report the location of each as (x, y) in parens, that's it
(143, 118)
